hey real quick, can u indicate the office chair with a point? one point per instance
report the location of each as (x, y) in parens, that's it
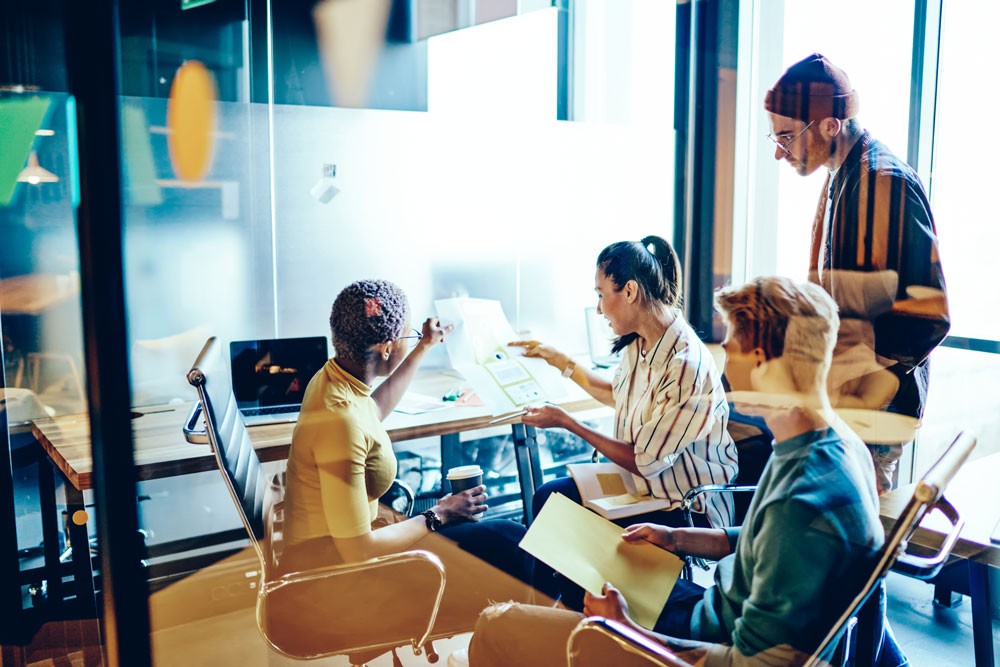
(861, 648)
(625, 639)
(859, 629)
(753, 449)
(253, 498)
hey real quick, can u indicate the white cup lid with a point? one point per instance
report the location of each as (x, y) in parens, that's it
(461, 472)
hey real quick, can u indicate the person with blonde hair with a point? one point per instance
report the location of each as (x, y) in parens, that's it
(804, 550)
(797, 335)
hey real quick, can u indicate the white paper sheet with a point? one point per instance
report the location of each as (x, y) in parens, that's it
(500, 375)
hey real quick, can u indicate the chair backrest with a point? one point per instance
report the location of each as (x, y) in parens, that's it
(227, 435)
(928, 495)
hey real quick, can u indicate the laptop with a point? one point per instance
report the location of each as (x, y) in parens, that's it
(270, 376)
(600, 338)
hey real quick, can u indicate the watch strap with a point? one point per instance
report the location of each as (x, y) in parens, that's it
(432, 519)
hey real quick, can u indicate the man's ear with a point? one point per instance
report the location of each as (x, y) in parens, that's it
(759, 356)
(831, 127)
(385, 349)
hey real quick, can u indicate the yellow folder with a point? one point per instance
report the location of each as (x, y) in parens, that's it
(588, 550)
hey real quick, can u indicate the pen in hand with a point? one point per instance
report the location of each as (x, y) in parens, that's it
(513, 415)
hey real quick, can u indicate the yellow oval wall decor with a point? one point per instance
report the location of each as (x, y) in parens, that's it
(191, 121)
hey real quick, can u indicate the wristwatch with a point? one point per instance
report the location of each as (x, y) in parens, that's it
(570, 367)
(433, 520)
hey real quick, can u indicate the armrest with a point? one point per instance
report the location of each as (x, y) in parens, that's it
(378, 563)
(193, 433)
(407, 492)
(926, 567)
(689, 498)
(626, 638)
(688, 502)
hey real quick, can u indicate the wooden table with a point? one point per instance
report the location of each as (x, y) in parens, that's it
(160, 450)
(33, 293)
(975, 493)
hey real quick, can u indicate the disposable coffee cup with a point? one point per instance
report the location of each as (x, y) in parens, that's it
(464, 477)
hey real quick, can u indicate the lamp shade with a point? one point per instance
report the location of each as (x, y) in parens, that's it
(35, 173)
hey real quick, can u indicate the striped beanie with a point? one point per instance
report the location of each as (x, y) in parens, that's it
(813, 89)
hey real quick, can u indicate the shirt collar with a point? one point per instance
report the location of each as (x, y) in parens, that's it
(663, 349)
(336, 373)
(799, 443)
(853, 155)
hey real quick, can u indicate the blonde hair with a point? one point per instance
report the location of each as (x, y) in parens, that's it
(791, 320)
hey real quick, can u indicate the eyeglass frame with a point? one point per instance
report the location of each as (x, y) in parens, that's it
(784, 146)
(416, 334)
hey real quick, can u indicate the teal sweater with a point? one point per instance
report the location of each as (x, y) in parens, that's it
(802, 553)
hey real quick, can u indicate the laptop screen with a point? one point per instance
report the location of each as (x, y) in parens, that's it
(274, 372)
(600, 338)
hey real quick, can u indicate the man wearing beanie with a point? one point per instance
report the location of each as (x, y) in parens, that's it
(874, 247)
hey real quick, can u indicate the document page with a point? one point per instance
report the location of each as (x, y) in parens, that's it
(477, 349)
(588, 550)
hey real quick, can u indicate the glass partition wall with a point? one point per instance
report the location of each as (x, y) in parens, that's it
(248, 202)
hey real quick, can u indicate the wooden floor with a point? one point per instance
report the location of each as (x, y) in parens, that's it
(930, 635)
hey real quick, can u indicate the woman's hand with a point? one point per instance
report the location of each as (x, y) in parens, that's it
(661, 536)
(466, 505)
(547, 416)
(433, 332)
(534, 348)
(610, 605)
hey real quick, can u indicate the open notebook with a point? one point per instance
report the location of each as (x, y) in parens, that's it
(609, 490)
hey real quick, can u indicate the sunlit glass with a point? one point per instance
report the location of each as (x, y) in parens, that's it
(414, 337)
(784, 142)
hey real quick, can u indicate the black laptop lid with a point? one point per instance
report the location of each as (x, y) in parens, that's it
(274, 372)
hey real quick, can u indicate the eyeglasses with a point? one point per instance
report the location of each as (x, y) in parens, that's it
(783, 143)
(415, 337)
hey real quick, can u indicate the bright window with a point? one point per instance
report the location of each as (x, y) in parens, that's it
(873, 43)
(963, 182)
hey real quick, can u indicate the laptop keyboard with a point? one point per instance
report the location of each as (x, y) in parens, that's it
(270, 410)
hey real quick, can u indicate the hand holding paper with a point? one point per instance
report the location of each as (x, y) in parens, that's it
(590, 552)
(547, 416)
(534, 348)
(661, 536)
(477, 348)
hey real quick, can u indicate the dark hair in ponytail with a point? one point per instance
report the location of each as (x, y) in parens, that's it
(652, 263)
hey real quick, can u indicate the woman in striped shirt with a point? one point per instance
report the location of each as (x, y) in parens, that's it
(671, 411)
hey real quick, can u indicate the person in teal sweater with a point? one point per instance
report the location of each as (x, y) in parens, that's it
(786, 575)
